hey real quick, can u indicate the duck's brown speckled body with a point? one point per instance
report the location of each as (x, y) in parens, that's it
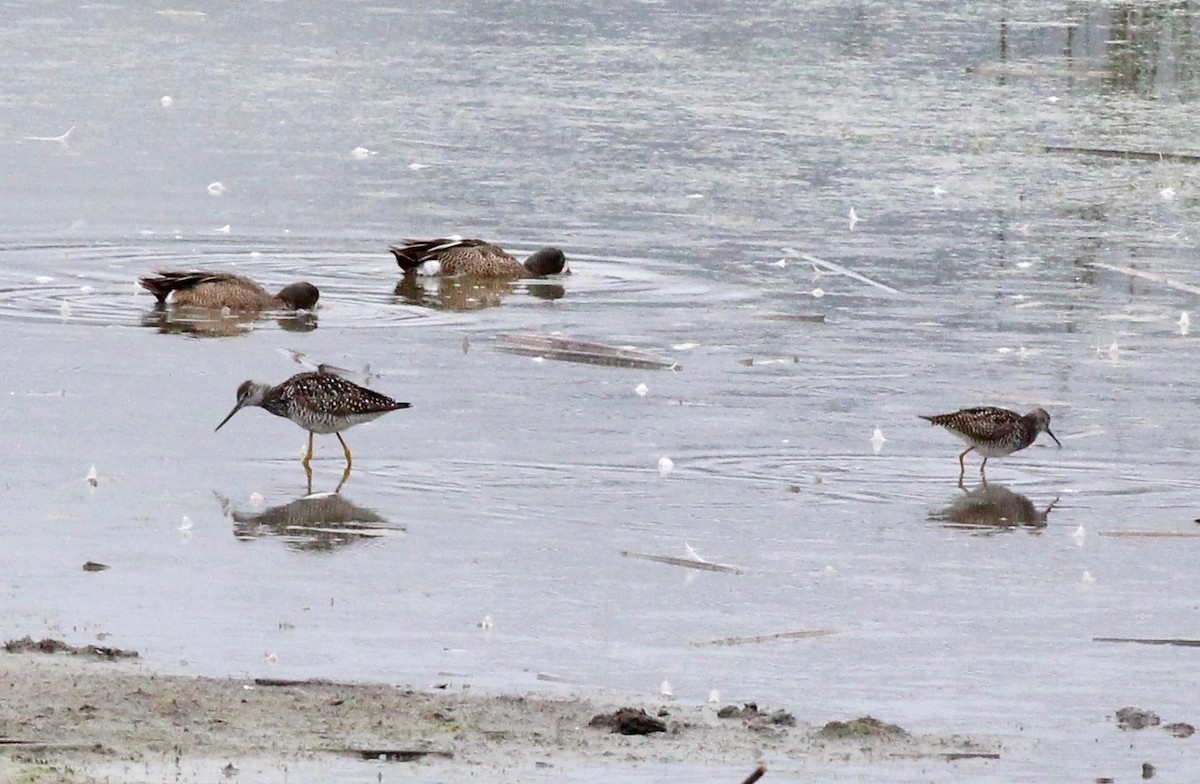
(225, 290)
(457, 256)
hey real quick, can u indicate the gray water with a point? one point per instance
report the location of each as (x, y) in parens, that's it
(685, 155)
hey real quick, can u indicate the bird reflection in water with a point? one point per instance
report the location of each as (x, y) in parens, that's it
(992, 507)
(209, 323)
(469, 293)
(317, 521)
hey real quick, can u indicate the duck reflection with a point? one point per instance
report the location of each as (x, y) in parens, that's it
(208, 323)
(318, 521)
(992, 507)
(467, 293)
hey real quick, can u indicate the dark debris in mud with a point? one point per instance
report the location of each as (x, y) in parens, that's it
(629, 721)
(755, 718)
(47, 645)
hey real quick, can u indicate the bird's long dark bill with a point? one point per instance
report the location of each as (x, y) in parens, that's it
(238, 408)
(1047, 433)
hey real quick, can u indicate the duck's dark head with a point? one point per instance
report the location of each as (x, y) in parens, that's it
(547, 261)
(300, 296)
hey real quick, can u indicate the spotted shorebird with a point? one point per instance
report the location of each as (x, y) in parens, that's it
(319, 402)
(993, 432)
(457, 256)
(225, 290)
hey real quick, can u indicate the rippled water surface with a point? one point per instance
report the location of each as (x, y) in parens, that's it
(699, 163)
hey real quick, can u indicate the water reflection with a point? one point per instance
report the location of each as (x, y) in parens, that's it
(317, 521)
(992, 507)
(1141, 48)
(461, 294)
(208, 323)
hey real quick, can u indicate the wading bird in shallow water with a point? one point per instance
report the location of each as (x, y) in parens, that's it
(224, 290)
(993, 432)
(319, 402)
(457, 256)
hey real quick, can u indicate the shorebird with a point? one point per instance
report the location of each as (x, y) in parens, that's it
(319, 402)
(993, 432)
(225, 290)
(457, 256)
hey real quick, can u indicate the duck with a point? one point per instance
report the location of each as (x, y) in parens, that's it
(448, 256)
(226, 290)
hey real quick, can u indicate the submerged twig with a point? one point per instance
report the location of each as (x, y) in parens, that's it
(1151, 534)
(691, 563)
(553, 347)
(756, 775)
(838, 268)
(1182, 642)
(1132, 155)
(1136, 273)
(800, 635)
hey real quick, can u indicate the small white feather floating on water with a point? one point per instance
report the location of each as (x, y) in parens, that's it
(1079, 536)
(216, 188)
(361, 153)
(853, 219)
(877, 440)
(714, 695)
(641, 390)
(1184, 323)
(665, 690)
(185, 524)
(665, 466)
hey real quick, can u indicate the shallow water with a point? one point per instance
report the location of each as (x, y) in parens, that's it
(686, 157)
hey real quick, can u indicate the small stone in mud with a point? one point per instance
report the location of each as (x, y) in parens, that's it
(863, 727)
(1134, 719)
(628, 721)
(1147, 770)
(93, 566)
(1180, 729)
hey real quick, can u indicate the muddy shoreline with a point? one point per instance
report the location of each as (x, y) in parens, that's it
(69, 719)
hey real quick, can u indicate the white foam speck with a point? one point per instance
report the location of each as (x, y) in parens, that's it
(877, 440)
(216, 188)
(853, 219)
(1184, 323)
(665, 465)
(361, 153)
(684, 346)
(714, 695)
(185, 524)
(695, 196)
(44, 279)
(665, 690)
(417, 166)
(818, 293)
(1167, 194)
(1087, 578)
(256, 499)
(86, 289)
(166, 101)
(223, 230)
(1079, 536)
(641, 390)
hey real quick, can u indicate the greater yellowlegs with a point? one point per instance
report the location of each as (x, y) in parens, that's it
(225, 290)
(458, 256)
(993, 432)
(319, 402)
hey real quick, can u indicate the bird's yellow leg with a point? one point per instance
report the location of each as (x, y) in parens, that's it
(346, 449)
(308, 456)
(962, 467)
